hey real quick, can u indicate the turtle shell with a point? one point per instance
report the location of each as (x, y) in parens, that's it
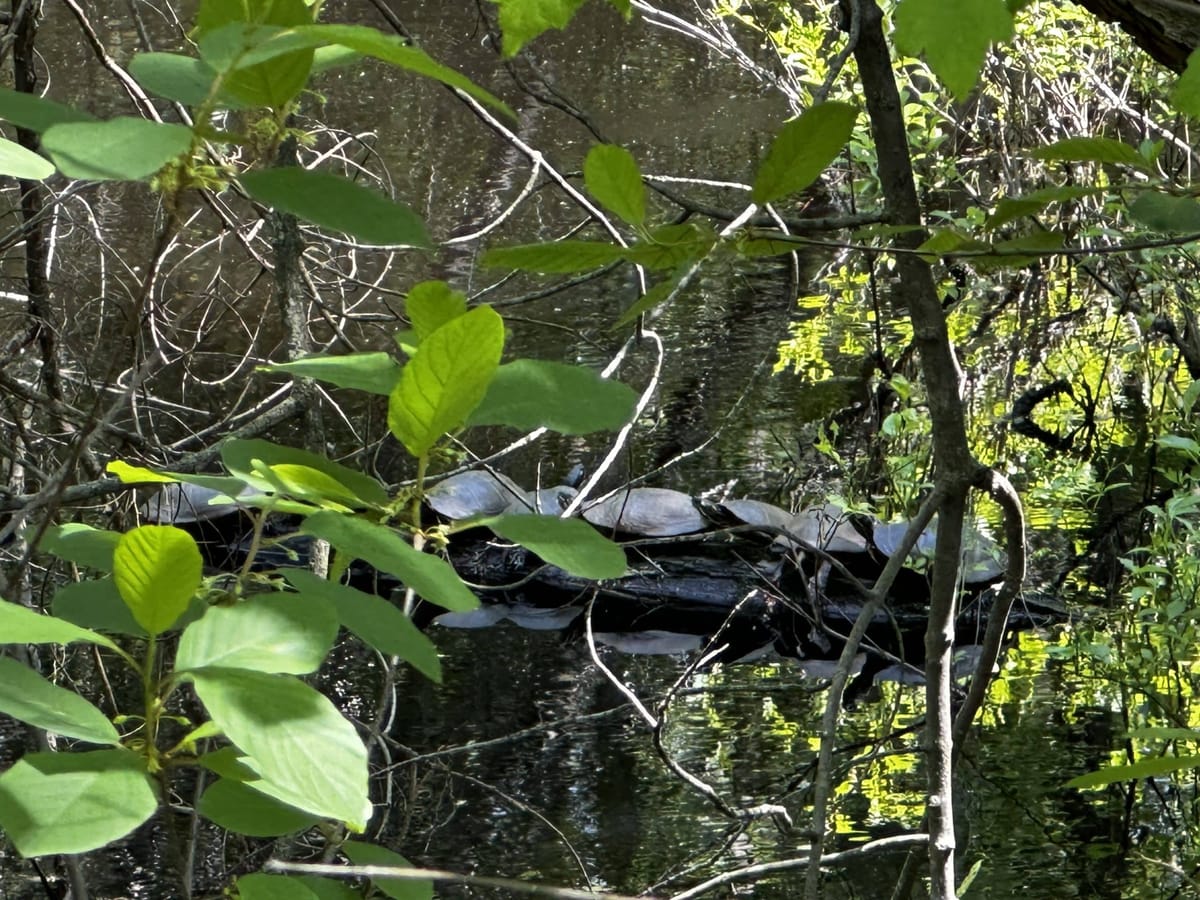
(187, 504)
(474, 494)
(756, 512)
(546, 502)
(652, 512)
(983, 560)
(826, 527)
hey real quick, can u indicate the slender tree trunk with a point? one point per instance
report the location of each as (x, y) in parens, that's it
(955, 467)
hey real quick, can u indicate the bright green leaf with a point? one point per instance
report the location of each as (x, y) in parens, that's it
(27, 696)
(1186, 95)
(337, 203)
(20, 625)
(613, 177)
(122, 149)
(18, 162)
(157, 569)
(74, 802)
(428, 575)
(570, 544)
(266, 633)
(523, 20)
(431, 304)
(241, 809)
(81, 544)
(239, 455)
(560, 257)
(375, 373)
(529, 394)
(374, 620)
(307, 483)
(802, 150)
(137, 474)
(446, 380)
(364, 854)
(955, 35)
(306, 754)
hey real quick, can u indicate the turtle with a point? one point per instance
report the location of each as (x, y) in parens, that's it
(746, 512)
(187, 504)
(983, 560)
(549, 501)
(826, 527)
(472, 495)
(650, 512)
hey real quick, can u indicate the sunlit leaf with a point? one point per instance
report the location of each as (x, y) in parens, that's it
(27, 696)
(157, 569)
(446, 380)
(523, 20)
(377, 622)
(239, 456)
(955, 35)
(272, 633)
(803, 149)
(74, 802)
(613, 177)
(529, 394)
(570, 544)
(430, 305)
(306, 754)
(124, 148)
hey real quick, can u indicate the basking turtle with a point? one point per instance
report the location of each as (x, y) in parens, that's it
(826, 527)
(746, 512)
(650, 512)
(983, 560)
(549, 501)
(187, 504)
(473, 495)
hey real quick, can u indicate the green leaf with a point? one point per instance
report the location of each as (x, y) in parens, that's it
(231, 41)
(428, 575)
(1019, 252)
(260, 886)
(157, 569)
(306, 754)
(364, 854)
(375, 373)
(1143, 768)
(337, 203)
(613, 177)
(802, 150)
(137, 474)
(81, 544)
(1093, 149)
(670, 246)
(373, 619)
(37, 113)
(570, 544)
(1011, 208)
(1165, 212)
(18, 162)
(529, 394)
(236, 807)
(27, 696)
(431, 304)
(307, 483)
(1185, 96)
(184, 79)
(652, 298)
(267, 633)
(560, 257)
(446, 380)
(523, 20)
(955, 35)
(96, 604)
(239, 455)
(121, 149)
(19, 625)
(74, 802)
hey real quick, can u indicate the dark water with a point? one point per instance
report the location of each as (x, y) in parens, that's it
(526, 762)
